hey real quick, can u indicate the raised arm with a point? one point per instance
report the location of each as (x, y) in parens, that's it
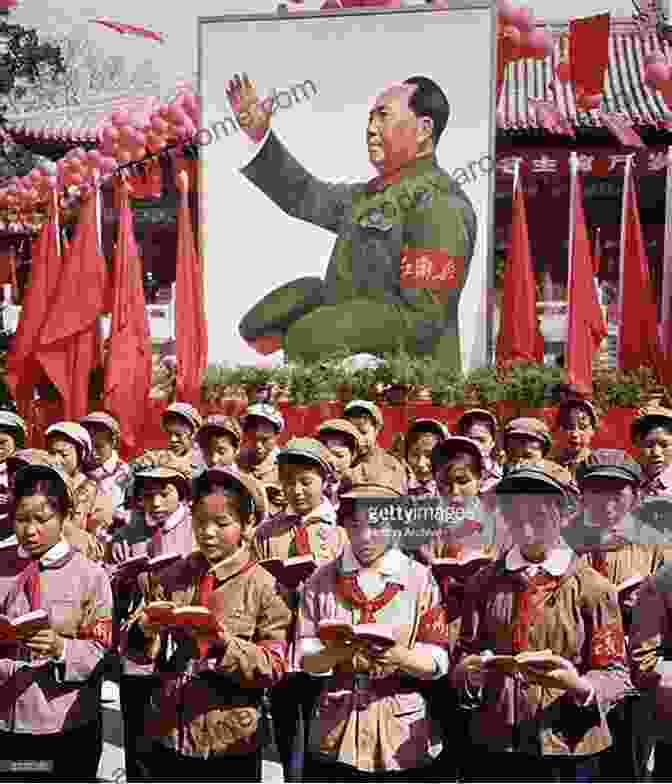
(277, 173)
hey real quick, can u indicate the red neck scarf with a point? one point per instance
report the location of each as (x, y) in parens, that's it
(301, 539)
(205, 588)
(347, 588)
(531, 603)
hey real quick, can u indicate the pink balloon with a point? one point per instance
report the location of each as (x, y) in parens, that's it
(657, 74)
(120, 118)
(108, 165)
(538, 42)
(506, 10)
(36, 175)
(177, 116)
(51, 182)
(523, 19)
(110, 132)
(655, 57)
(139, 138)
(160, 126)
(190, 104)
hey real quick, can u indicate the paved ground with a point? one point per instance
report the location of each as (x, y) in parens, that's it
(112, 762)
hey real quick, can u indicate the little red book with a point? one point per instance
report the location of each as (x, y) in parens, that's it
(377, 634)
(290, 572)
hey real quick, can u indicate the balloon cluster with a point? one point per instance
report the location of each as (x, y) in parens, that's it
(520, 38)
(658, 74)
(125, 138)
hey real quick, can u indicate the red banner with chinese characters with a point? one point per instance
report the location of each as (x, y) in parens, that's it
(429, 268)
(594, 162)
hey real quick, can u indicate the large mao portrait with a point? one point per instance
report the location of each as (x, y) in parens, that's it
(347, 183)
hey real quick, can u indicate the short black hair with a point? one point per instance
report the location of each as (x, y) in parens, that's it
(429, 100)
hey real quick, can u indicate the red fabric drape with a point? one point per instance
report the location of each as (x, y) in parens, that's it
(586, 328)
(519, 339)
(23, 370)
(190, 322)
(589, 53)
(128, 365)
(68, 345)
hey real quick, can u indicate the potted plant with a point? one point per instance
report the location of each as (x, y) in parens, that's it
(530, 386)
(399, 374)
(326, 389)
(427, 370)
(222, 390)
(258, 383)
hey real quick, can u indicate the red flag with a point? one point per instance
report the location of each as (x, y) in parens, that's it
(637, 333)
(128, 366)
(23, 371)
(190, 322)
(125, 29)
(519, 338)
(589, 53)
(586, 328)
(597, 254)
(68, 349)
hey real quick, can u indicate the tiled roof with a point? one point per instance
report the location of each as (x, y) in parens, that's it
(625, 92)
(84, 120)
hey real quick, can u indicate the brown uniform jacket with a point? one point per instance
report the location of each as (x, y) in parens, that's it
(380, 467)
(577, 616)
(210, 705)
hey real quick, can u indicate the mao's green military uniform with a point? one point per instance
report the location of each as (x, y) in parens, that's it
(418, 231)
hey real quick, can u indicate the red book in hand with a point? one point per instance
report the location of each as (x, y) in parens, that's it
(378, 634)
(132, 567)
(195, 617)
(290, 572)
(460, 569)
(24, 626)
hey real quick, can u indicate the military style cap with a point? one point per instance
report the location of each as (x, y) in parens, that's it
(243, 483)
(218, 423)
(426, 425)
(610, 464)
(477, 415)
(186, 412)
(647, 419)
(341, 426)
(369, 491)
(165, 474)
(531, 476)
(443, 451)
(308, 450)
(11, 421)
(29, 472)
(266, 412)
(101, 419)
(530, 427)
(364, 406)
(74, 432)
(572, 404)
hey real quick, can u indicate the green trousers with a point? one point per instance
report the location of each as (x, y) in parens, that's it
(312, 329)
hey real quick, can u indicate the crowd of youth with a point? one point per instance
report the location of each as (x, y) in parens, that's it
(550, 660)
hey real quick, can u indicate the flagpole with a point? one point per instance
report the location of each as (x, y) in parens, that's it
(666, 310)
(621, 262)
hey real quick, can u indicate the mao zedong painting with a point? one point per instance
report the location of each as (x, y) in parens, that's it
(404, 240)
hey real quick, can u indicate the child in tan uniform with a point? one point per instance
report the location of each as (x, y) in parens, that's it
(204, 717)
(304, 471)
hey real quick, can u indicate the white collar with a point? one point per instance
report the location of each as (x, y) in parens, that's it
(556, 564)
(325, 511)
(55, 553)
(393, 564)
